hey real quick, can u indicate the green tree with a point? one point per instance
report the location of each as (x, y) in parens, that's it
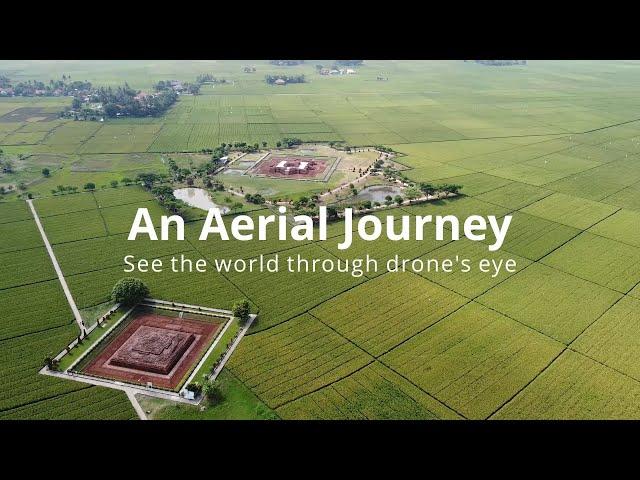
(427, 189)
(46, 172)
(411, 193)
(212, 391)
(398, 199)
(129, 291)
(241, 310)
(89, 186)
(114, 183)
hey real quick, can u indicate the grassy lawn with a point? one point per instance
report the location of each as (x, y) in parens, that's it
(239, 403)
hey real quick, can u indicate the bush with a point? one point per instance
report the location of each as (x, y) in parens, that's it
(129, 291)
(90, 186)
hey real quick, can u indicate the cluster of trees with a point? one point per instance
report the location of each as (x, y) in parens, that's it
(286, 63)
(149, 180)
(62, 190)
(166, 198)
(348, 63)
(257, 198)
(271, 79)
(289, 142)
(443, 188)
(170, 85)
(31, 88)
(124, 101)
(306, 205)
(208, 78)
(6, 164)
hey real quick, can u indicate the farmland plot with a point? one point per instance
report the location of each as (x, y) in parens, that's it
(112, 197)
(383, 249)
(530, 174)
(628, 197)
(119, 219)
(64, 204)
(89, 403)
(121, 138)
(576, 387)
(172, 138)
(74, 226)
(21, 359)
(621, 226)
(68, 137)
(474, 360)
(47, 308)
(25, 266)
(534, 237)
(373, 393)
(591, 185)
(19, 236)
(14, 211)
(514, 195)
(384, 312)
(293, 359)
(273, 292)
(552, 302)
(475, 281)
(432, 171)
(600, 260)
(614, 339)
(572, 211)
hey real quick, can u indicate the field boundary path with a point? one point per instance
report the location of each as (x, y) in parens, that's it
(56, 266)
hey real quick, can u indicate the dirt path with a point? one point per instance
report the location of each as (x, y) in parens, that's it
(63, 282)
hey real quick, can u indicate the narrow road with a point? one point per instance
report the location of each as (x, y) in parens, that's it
(63, 282)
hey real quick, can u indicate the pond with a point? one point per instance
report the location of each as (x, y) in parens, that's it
(377, 193)
(198, 198)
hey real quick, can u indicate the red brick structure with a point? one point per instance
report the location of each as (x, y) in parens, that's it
(154, 348)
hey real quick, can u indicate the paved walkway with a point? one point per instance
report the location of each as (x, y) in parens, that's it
(136, 406)
(63, 282)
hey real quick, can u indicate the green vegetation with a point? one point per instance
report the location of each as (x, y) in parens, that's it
(553, 144)
(129, 291)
